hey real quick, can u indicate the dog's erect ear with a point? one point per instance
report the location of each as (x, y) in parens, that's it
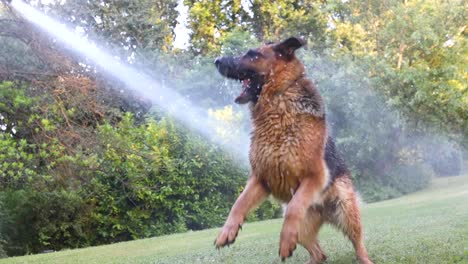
(287, 47)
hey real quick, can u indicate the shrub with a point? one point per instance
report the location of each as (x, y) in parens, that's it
(129, 179)
(372, 190)
(157, 178)
(446, 160)
(45, 220)
(402, 179)
(409, 178)
(270, 209)
(4, 222)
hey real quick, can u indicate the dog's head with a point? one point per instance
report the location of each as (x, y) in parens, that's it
(269, 63)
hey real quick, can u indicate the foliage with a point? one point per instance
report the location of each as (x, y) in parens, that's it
(4, 222)
(153, 179)
(445, 157)
(210, 20)
(276, 20)
(38, 189)
(416, 55)
(136, 181)
(270, 209)
(131, 25)
(228, 126)
(45, 220)
(237, 41)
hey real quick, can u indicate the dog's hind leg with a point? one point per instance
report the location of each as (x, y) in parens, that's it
(307, 236)
(347, 217)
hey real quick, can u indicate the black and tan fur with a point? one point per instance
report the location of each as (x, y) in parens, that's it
(291, 155)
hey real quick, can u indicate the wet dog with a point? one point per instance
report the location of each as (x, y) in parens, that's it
(291, 155)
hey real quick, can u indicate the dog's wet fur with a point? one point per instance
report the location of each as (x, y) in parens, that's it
(291, 155)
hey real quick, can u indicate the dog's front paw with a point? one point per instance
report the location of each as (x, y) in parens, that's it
(227, 235)
(288, 242)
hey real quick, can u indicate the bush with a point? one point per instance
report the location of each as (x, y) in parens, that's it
(409, 178)
(270, 209)
(372, 190)
(446, 161)
(402, 179)
(125, 180)
(4, 222)
(157, 178)
(46, 220)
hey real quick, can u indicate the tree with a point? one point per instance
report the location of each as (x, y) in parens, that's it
(275, 20)
(415, 50)
(131, 25)
(210, 20)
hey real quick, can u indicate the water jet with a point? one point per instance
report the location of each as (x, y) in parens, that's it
(195, 117)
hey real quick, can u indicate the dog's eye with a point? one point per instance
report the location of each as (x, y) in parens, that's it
(253, 54)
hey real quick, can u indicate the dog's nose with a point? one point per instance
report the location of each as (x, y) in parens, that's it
(217, 61)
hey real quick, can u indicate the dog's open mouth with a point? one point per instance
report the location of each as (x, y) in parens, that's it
(251, 88)
(250, 80)
(244, 96)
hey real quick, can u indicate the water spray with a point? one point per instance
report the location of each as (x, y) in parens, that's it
(167, 99)
(6, 3)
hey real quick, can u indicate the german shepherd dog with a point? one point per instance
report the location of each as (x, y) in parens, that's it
(291, 155)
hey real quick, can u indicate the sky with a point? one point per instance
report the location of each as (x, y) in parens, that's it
(181, 31)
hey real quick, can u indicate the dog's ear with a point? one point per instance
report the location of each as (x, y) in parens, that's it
(287, 47)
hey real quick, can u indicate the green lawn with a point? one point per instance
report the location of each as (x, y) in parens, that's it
(430, 226)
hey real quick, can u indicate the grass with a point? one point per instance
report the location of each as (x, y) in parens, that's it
(429, 226)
